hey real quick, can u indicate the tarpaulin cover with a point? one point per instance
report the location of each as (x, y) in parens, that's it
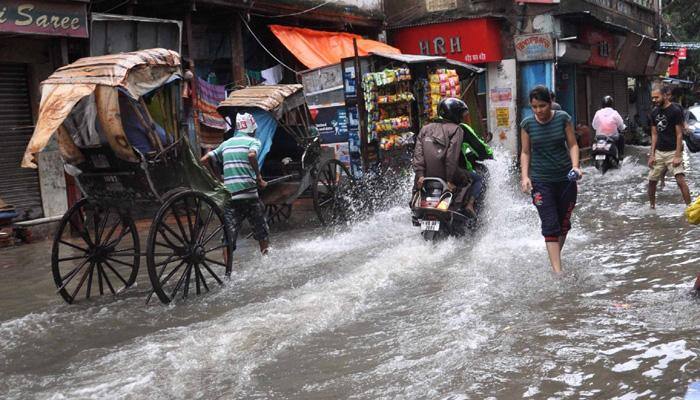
(267, 126)
(137, 72)
(316, 49)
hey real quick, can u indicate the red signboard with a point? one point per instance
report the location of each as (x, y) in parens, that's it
(682, 53)
(473, 41)
(39, 17)
(602, 47)
(673, 68)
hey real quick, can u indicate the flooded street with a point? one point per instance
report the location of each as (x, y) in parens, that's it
(372, 311)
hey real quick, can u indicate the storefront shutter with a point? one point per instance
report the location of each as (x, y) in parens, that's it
(18, 186)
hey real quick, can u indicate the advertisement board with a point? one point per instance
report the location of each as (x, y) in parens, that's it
(44, 18)
(534, 47)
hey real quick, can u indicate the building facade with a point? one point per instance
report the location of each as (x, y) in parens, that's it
(581, 49)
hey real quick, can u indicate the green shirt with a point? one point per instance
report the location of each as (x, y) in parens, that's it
(239, 175)
(549, 154)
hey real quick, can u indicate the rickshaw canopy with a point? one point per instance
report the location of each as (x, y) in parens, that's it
(275, 99)
(136, 73)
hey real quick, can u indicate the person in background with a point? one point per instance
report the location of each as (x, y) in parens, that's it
(549, 155)
(666, 144)
(607, 121)
(555, 106)
(239, 158)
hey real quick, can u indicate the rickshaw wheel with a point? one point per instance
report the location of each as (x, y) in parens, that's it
(107, 246)
(187, 243)
(329, 189)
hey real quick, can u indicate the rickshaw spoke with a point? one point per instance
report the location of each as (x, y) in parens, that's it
(201, 276)
(171, 244)
(197, 221)
(72, 258)
(196, 279)
(89, 284)
(121, 236)
(189, 218)
(206, 266)
(102, 227)
(86, 237)
(114, 253)
(168, 260)
(210, 237)
(206, 225)
(107, 281)
(180, 281)
(172, 232)
(166, 245)
(325, 202)
(170, 275)
(80, 284)
(187, 282)
(111, 231)
(69, 277)
(73, 246)
(99, 278)
(179, 223)
(222, 246)
(118, 261)
(215, 262)
(114, 271)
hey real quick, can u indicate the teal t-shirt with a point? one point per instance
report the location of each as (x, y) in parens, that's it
(549, 154)
(239, 175)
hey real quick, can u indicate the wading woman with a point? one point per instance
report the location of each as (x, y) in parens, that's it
(549, 153)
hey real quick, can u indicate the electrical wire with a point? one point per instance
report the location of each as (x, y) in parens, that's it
(316, 7)
(263, 46)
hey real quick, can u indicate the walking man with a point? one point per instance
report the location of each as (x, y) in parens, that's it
(666, 143)
(239, 157)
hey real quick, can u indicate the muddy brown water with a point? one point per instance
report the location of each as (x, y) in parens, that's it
(370, 311)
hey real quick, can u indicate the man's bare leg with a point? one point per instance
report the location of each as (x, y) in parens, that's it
(652, 193)
(264, 246)
(683, 185)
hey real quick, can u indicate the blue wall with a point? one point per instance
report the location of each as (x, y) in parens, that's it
(531, 75)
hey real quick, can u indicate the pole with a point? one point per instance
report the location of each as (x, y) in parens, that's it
(361, 112)
(237, 56)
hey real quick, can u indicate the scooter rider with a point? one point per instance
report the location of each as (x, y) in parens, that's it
(607, 121)
(439, 148)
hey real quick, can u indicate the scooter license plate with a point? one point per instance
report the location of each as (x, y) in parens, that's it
(600, 157)
(426, 225)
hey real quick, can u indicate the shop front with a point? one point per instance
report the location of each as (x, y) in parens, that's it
(479, 42)
(36, 37)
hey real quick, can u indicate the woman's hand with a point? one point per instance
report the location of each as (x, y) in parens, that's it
(526, 185)
(579, 172)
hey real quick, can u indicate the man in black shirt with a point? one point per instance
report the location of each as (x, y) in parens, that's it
(666, 143)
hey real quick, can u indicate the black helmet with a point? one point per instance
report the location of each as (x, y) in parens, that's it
(451, 109)
(608, 101)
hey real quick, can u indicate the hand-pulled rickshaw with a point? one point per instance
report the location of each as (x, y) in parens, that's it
(291, 161)
(117, 125)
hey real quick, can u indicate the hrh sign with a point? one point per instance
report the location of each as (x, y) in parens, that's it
(534, 47)
(44, 18)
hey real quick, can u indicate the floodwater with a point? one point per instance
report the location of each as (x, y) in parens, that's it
(371, 311)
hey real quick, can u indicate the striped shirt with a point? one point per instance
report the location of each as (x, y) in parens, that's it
(549, 154)
(239, 175)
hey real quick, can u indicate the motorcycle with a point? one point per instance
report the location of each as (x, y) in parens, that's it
(604, 153)
(435, 212)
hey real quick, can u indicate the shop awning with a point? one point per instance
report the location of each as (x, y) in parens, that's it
(316, 49)
(421, 59)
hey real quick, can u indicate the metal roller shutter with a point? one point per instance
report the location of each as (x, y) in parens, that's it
(18, 186)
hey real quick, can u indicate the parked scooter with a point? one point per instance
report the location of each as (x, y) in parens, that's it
(605, 154)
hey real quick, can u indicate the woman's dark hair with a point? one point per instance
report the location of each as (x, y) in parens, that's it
(541, 93)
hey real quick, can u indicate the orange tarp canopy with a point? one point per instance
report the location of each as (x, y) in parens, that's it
(320, 48)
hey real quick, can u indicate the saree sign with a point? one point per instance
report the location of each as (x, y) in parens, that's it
(534, 47)
(44, 18)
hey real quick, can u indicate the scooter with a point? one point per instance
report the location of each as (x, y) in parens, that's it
(434, 211)
(604, 153)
